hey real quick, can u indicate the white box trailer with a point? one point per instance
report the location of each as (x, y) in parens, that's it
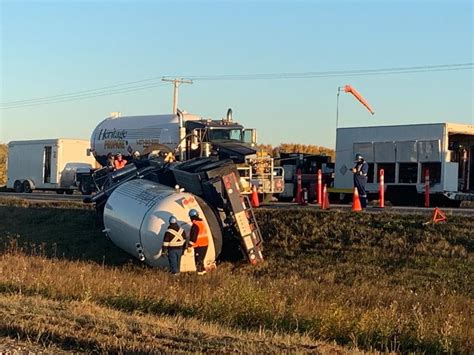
(405, 152)
(48, 164)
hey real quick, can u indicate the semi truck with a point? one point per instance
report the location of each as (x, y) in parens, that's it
(186, 136)
(308, 165)
(406, 153)
(47, 164)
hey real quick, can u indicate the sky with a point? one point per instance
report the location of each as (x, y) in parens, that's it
(51, 48)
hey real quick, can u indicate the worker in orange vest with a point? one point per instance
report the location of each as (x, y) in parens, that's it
(199, 240)
(119, 162)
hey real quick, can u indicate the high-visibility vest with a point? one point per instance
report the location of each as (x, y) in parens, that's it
(203, 238)
(120, 164)
(177, 241)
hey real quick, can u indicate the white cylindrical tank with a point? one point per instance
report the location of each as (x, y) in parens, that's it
(136, 218)
(129, 134)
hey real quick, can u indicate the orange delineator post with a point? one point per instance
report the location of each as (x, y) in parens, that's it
(254, 200)
(382, 189)
(325, 202)
(299, 189)
(356, 206)
(320, 187)
(427, 188)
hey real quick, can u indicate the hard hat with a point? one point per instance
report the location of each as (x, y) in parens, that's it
(358, 157)
(193, 213)
(173, 220)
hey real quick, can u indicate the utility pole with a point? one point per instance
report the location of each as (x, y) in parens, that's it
(176, 82)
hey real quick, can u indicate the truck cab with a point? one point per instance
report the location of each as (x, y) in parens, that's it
(226, 139)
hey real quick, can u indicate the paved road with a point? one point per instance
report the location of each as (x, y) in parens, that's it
(51, 196)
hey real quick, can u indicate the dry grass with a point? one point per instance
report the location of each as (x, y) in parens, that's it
(367, 281)
(85, 326)
(3, 164)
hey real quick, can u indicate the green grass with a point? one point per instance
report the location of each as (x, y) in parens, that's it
(363, 280)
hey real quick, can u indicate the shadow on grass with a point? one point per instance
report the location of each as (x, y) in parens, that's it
(58, 233)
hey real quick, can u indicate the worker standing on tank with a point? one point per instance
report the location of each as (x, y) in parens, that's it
(199, 240)
(173, 244)
(360, 171)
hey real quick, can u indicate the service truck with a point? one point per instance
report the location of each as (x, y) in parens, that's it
(186, 136)
(405, 153)
(47, 164)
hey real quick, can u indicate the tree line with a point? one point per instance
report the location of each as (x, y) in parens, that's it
(296, 148)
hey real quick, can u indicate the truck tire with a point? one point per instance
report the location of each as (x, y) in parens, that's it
(18, 186)
(59, 192)
(85, 189)
(27, 188)
(69, 192)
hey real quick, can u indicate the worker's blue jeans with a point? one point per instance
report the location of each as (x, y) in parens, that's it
(174, 257)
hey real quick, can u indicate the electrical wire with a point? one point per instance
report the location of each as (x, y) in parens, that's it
(152, 82)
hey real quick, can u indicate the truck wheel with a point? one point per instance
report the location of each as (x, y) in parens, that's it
(69, 192)
(18, 186)
(84, 189)
(27, 187)
(59, 192)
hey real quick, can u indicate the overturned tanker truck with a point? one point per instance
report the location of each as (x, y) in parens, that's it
(136, 206)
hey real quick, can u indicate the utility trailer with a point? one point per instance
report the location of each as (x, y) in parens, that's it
(406, 152)
(47, 164)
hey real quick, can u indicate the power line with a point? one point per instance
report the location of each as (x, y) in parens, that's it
(151, 82)
(83, 96)
(275, 76)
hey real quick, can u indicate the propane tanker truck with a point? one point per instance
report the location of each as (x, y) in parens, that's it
(135, 208)
(184, 136)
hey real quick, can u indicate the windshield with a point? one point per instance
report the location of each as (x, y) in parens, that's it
(225, 134)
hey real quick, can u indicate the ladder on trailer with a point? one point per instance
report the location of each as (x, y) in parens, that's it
(244, 217)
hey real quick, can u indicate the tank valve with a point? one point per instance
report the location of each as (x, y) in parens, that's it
(141, 256)
(178, 189)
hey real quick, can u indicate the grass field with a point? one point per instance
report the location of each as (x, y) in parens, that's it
(376, 282)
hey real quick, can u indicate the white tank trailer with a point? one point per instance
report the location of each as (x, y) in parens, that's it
(136, 218)
(136, 206)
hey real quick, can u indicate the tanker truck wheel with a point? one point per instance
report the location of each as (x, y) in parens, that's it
(27, 187)
(18, 186)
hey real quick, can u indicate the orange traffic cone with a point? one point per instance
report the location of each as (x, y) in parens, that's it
(254, 200)
(325, 202)
(356, 207)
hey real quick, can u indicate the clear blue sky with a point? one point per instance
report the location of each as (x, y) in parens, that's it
(56, 47)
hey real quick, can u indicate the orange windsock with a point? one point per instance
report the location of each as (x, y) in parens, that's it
(359, 97)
